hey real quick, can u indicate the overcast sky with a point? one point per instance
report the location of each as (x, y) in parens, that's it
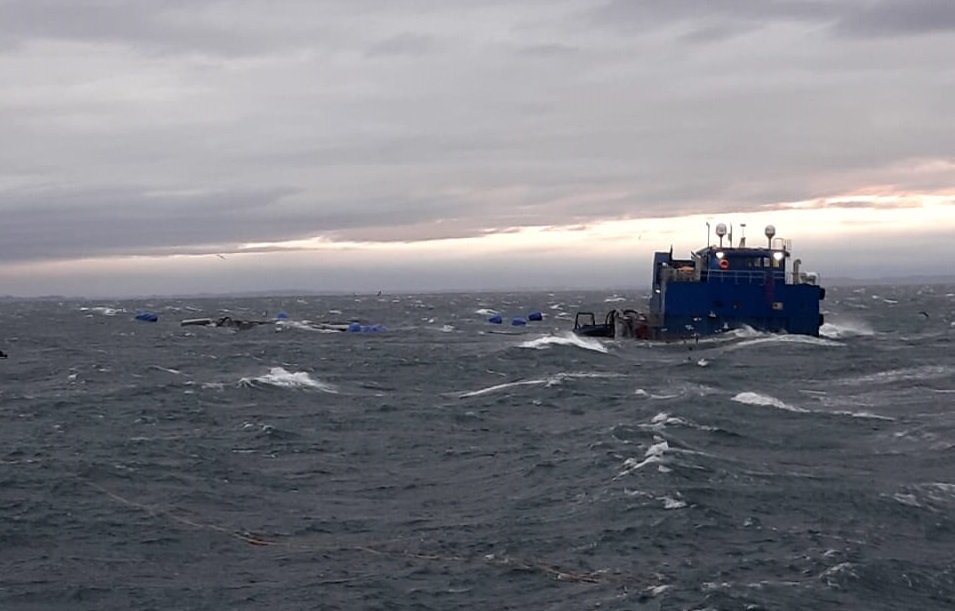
(438, 144)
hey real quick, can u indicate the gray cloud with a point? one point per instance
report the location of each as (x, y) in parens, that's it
(152, 26)
(136, 127)
(55, 224)
(891, 18)
(403, 45)
(702, 16)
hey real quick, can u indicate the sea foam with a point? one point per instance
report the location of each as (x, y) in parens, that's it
(280, 378)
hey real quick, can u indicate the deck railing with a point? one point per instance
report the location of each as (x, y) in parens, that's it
(734, 276)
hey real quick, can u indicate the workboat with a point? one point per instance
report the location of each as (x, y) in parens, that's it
(719, 288)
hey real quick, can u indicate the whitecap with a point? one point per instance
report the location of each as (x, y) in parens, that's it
(103, 310)
(279, 377)
(499, 387)
(845, 328)
(787, 339)
(653, 455)
(167, 370)
(866, 415)
(568, 339)
(832, 572)
(663, 420)
(549, 381)
(632, 464)
(658, 448)
(672, 503)
(752, 398)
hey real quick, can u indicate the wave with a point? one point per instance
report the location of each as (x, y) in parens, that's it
(663, 420)
(676, 391)
(863, 414)
(653, 455)
(280, 378)
(787, 339)
(846, 328)
(566, 339)
(103, 310)
(672, 503)
(934, 496)
(753, 398)
(166, 369)
(553, 380)
(889, 376)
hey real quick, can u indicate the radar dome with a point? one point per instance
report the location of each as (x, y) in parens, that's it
(770, 231)
(721, 229)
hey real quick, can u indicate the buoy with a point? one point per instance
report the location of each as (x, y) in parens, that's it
(354, 327)
(495, 320)
(147, 316)
(282, 315)
(518, 322)
(535, 315)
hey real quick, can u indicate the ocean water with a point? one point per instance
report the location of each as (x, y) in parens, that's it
(440, 465)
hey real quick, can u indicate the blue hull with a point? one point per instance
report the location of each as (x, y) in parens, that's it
(719, 289)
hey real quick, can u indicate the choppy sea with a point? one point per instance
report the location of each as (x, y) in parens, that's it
(448, 463)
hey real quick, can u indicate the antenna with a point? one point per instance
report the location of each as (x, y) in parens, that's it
(707, 234)
(770, 232)
(721, 231)
(742, 238)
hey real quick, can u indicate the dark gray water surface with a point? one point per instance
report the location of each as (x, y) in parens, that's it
(440, 466)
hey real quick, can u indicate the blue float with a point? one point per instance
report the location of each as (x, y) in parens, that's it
(357, 327)
(535, 315)
(281, 315)
(495, 320)
(518, 322)
(147, 316)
